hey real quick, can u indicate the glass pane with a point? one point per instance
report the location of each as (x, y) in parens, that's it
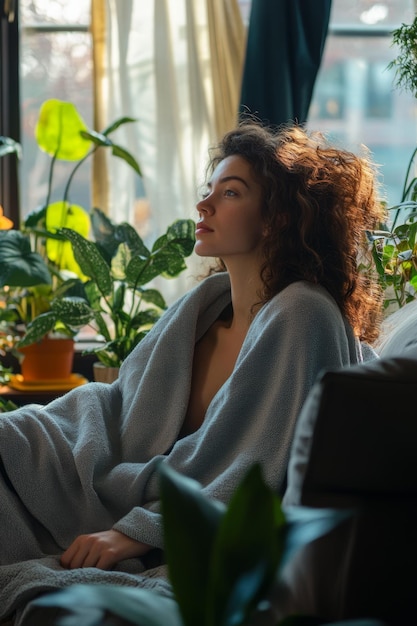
(53, 65)
(354, 98)
(245, 6)
(368, 13)
(54, 12)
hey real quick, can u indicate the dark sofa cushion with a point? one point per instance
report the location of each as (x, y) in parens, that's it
(356, 438)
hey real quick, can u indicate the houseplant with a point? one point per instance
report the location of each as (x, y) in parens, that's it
(222, 561)
(36, 267)
(117, 265)
(394, 246)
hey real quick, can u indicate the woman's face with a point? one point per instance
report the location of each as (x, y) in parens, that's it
(230, 222)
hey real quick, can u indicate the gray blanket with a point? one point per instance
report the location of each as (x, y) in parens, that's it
(87, 461)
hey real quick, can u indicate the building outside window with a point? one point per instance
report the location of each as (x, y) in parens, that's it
(354, 99)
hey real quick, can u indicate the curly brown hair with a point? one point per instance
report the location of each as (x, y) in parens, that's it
(318, 203)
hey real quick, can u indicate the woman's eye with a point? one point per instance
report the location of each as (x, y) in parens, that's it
(230, 193)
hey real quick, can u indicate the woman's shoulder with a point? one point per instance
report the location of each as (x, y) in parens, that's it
(304, 308)
(304, 295)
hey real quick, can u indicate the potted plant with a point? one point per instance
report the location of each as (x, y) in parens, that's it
(38, 267)
(30, 282)
(394, 246)
(113, 297)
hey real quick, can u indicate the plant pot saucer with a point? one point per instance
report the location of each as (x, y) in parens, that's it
(18, 382)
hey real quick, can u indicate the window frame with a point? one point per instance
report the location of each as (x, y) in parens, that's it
(9, 107)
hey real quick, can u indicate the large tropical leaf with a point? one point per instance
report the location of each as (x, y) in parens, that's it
(73, 311)
(191, 522)
(38, 328)
(90, 260)
(167, 256)
(59, 215)
(88, 604)
(19, 266)
(109, 236)
(58, 131)
(246, 552)
(182, 233)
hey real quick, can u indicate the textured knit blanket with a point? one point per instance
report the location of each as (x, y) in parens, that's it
(87, 461)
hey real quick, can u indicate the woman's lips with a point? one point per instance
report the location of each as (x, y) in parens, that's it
(202, 228)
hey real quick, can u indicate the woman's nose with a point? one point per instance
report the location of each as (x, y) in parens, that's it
(205, 205)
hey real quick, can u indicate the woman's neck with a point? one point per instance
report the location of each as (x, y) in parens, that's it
(246, 298)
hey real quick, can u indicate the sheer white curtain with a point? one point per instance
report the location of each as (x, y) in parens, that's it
(176, 66)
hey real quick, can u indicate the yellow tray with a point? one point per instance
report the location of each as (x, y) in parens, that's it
(18, 382)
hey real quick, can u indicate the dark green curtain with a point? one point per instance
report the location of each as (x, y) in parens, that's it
(284, 49)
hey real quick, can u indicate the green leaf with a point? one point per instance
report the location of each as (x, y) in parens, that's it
(10, 146)
(153, 296)
(87, 605)
(191, 522)
(141, 271)
(388, 253)
(90, 260)
(120, 152)
(127, 234)
(59, 215)
(109, 236)
(19, 266)
(175, 263)
(402, 231)
(117, 123)
(308, 524)
(145, 318)
(120, 261)
(72, 311)
(35, 218)
(246, 551)
(182, 232)
(119, 297)
(93, 294)
(101, 325)
(65, 215)
(102, 140)
(38, 328)
(97, 138)
(58, 131)
(405, 256)
(103, 229)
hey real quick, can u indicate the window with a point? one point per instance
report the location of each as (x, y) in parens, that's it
(354, 98)
(55, 62)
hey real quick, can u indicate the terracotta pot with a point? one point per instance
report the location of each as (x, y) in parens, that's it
(49, 359)
(104, 374)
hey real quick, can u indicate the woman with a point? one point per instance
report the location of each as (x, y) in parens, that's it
(218, 383)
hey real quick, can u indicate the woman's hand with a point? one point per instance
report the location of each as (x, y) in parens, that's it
(102, 550)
